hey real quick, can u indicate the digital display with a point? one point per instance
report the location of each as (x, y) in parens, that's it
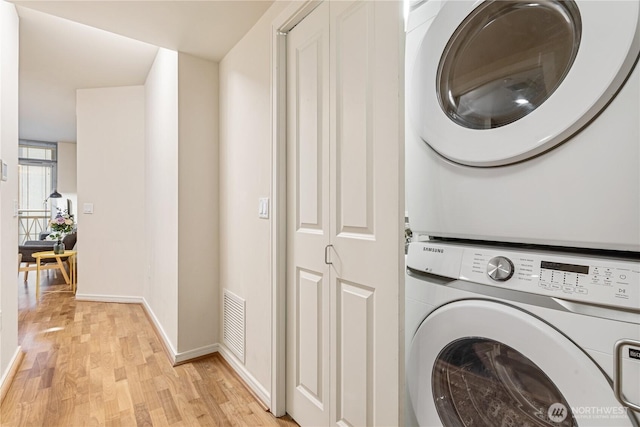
(571, 268)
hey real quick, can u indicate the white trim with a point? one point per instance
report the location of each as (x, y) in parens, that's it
(286, 20)
(5, 374)
(277, 405)
(255, 386)
(9, 374)
(163, 335)
(198, 352)
(109, 298)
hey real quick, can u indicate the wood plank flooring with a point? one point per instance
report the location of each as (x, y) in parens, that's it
(101, 364)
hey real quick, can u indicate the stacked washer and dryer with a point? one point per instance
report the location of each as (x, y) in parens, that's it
(523, 189)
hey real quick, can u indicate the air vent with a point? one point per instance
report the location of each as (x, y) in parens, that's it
(234, 328)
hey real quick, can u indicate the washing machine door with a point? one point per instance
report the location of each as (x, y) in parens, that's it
(485, 363)
(497, 82)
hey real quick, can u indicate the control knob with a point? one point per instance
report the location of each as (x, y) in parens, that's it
(500, 268)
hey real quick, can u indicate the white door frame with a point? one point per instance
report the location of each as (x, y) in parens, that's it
(289, 18)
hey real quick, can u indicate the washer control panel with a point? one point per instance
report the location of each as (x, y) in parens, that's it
(605, 281)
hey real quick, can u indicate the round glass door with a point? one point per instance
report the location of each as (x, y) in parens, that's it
(505, 59)
(482, 382)
(484, 363)
(499, 82)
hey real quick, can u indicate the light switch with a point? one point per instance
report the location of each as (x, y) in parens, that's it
(263, 208)
(4, 170)
(87, 208)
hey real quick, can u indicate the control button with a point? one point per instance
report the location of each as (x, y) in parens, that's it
(583, 291)
(500, 268)
(567, 289)
(554, 287)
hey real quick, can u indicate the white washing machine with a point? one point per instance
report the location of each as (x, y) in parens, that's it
(523, 122)
(504, 337)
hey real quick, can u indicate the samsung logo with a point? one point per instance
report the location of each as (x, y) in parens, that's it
(634, 354)
(436, 250)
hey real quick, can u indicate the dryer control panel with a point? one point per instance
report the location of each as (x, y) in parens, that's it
(590, 279)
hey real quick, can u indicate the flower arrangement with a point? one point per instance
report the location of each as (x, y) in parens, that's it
(61, 225)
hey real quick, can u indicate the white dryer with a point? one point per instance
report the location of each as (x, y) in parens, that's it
(523, 122)
(502, 337)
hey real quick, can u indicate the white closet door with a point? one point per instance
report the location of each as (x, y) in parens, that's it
(308, 219)
(344, 188)
(366, 223)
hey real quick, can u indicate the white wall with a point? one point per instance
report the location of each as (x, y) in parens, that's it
(110, 154)
(150, 154)
(68, 174)
(198, 303)
(245, 176)
(9, 188)
(181, 151)
(161, 196)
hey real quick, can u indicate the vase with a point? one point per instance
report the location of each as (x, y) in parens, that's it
(58, 247)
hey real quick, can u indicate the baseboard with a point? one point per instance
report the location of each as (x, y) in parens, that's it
(174, 357)
(10, 373)
(254, 385)
(164, 339)
(259, 392)
(188, 356)
(109, 298)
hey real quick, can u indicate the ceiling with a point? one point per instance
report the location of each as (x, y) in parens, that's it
(69, 45)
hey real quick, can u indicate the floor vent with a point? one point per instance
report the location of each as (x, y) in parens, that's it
(234, 325)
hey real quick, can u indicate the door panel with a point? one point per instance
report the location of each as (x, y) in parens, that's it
(366, 219)
(309, 337)
(344, 189)
(355, 346)
(353, 132)
(308, 219)
(309, 134)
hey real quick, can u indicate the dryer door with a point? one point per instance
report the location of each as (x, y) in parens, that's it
(498, 82)
(484, 363)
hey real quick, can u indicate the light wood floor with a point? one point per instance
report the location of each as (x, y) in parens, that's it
(101, 364)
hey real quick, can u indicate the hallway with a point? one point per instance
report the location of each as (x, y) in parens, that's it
(101, 364)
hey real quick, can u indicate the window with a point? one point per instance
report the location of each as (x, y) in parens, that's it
(37, 175)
